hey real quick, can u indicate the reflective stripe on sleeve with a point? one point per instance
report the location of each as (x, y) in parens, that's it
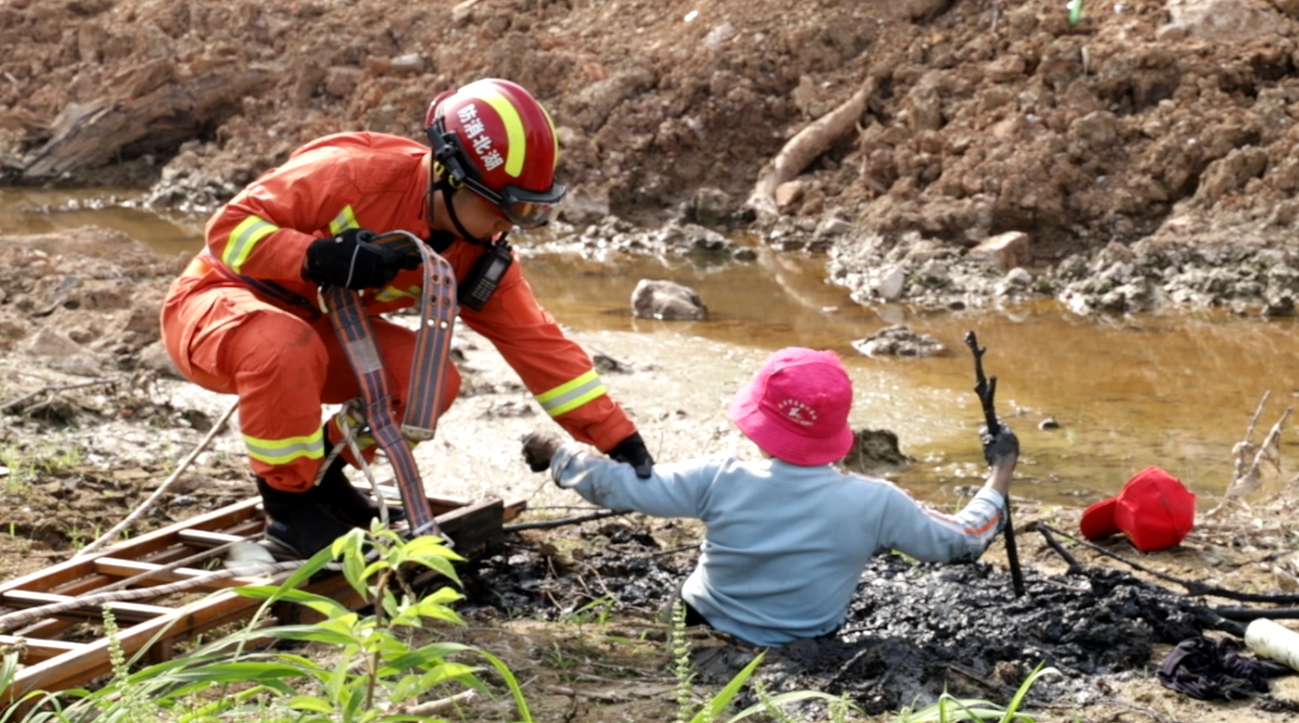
(571, 395)
(243, 239)
(283, 451)
(344, 220)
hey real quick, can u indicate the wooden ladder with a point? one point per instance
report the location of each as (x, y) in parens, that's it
(51, 663)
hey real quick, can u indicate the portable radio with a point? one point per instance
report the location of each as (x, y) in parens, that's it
(485, 276)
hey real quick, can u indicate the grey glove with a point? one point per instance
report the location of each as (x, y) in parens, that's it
(1000, 447)
(538, 449)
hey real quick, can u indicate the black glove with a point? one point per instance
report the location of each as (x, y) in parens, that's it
(538, 449)
(632, 451)
(1000, 447)
(350, 260)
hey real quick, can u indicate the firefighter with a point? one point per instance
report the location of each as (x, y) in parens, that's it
(241, 319)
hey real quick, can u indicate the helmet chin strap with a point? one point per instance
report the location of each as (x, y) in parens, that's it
(448, 194)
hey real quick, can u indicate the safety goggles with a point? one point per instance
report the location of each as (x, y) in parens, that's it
(524, 208)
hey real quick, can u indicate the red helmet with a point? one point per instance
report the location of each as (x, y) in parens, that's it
(495, 139)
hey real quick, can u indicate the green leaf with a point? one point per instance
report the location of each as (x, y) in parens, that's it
(719, 702)
(430, 654)
(238, 672)
(790, 697)
(326, 606)
(311, 703)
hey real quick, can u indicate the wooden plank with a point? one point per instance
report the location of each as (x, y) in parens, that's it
(79, 567)
(36, 649)
(123, 610)
(92, 660)
(472, 527)
(129, 568)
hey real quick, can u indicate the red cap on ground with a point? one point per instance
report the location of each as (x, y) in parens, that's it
(1154, 509)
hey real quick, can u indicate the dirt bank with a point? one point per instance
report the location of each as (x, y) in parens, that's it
(1169, 122)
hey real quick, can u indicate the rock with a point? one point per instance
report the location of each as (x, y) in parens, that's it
(899, 340)
(666, 300)
(50, 343)
(875, 451)
(890, 283)
(692, 239)
(1004, 251)
(789, 193)
(1229, 21)
(341, 81)
(585, 204)
(710, 207)
(155, 357)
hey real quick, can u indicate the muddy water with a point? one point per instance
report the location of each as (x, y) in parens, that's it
(1174, 390)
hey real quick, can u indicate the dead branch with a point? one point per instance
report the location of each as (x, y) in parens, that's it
(809, 143)
(442, 705)
(53, 388)
(162, 489)
(547, 524)
(1193, 587)
(1249, 459)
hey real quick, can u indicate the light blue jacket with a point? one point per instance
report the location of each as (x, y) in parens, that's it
(785, 544)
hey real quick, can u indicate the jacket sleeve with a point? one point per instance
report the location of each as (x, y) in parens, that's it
(264, 231)
(557, 371)
(679, 489)
(925, 534)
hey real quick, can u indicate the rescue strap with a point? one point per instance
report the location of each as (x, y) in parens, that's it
(437, 313)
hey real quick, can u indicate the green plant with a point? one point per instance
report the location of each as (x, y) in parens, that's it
(949, 709)
(597, 611)
(378, 676)
(712, 708)
(133, 707)
(1075, 12)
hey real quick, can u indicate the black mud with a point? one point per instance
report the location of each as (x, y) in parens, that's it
(913, 629)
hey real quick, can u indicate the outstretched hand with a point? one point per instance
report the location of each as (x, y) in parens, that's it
(1001, 447)
(539, 448)
(632, 451)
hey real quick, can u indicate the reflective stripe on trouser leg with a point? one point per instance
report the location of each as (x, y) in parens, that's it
(228, 340)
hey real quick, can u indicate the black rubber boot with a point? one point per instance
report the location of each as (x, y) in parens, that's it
(296, 522)
(345, 502)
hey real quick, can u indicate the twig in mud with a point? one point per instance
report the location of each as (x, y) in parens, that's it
(138, 512)
(1075, 567)
(548, 524)
(674, 551)
(1192, 587)
(50, 389)
(1254, 614)
(607, 697)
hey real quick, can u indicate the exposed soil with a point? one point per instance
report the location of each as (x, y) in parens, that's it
(1146, 153)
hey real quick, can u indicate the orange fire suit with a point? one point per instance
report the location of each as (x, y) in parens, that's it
(242, 320)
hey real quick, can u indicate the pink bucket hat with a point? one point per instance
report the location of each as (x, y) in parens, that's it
(796, 407)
